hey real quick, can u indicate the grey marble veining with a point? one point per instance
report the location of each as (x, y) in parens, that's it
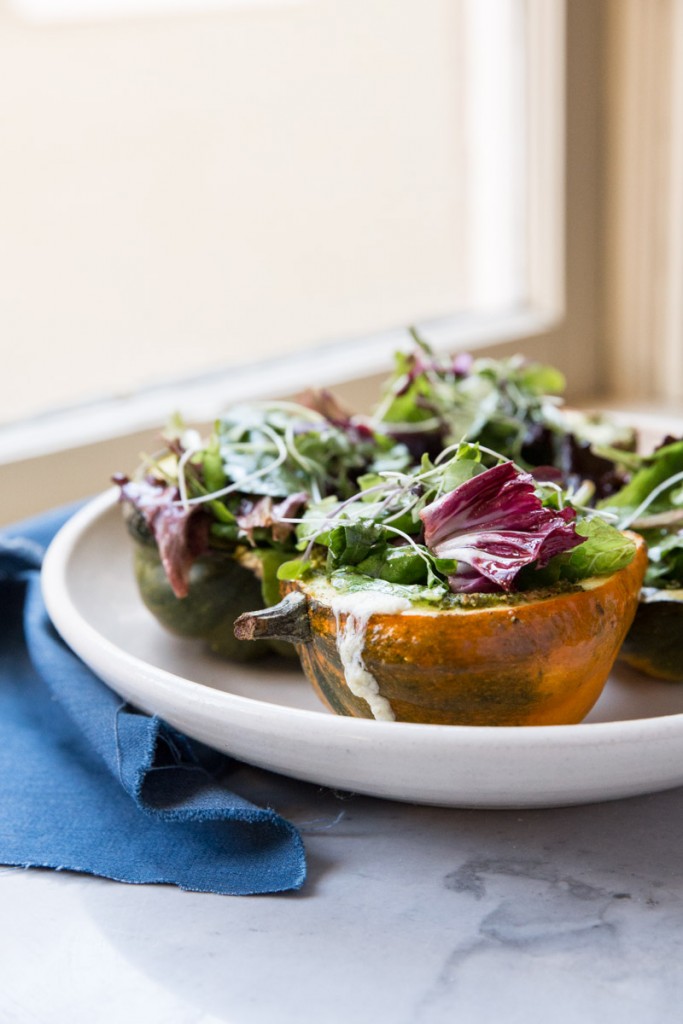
(412, 915)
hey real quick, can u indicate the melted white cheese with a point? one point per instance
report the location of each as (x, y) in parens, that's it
(351, 641)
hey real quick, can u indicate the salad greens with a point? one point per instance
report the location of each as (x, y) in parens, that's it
(468, 478)
(652, 504)
(510, 405)
(240, 490)
(464, 528)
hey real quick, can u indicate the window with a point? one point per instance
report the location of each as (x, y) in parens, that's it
(186, 197)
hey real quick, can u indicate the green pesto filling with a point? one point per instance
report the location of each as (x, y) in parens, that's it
(345, 581)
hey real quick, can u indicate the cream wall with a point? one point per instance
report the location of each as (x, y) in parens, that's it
(178, 190)
(576, 346)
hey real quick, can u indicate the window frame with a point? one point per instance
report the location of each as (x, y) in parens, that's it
(540, 323)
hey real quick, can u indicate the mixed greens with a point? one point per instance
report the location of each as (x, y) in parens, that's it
(512, 406)
(469, 479)
(237, 491)
(651, 503)
(455, 527)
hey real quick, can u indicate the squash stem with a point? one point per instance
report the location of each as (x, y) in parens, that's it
(286, 621)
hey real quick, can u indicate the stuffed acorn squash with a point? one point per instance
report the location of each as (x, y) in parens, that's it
(651, 503)
(211, 520)
(516, 619)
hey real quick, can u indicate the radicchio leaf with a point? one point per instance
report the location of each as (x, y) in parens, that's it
(579, 462)
(419, 365)
(493, 525)
(573, 457)
(181, 533)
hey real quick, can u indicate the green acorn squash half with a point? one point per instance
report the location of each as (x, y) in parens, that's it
(654, 643)
(220, 590)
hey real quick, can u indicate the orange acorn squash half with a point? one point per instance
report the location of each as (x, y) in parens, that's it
(541, 658)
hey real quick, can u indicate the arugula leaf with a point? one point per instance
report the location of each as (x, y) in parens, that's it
(320, 519)
(604, 551)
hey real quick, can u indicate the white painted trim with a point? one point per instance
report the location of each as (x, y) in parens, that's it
(546, 62)
(202, 399)
(496, 190)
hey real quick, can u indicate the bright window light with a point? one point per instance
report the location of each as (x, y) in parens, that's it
(54, 11)
(184, 194)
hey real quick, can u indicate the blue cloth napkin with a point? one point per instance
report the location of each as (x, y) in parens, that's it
(89, 784)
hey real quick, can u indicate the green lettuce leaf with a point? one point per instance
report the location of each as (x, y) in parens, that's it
(665, 559)
(663, 464)
(350, 543)
(404, 565)
(604, 551)
(295, 569)
(349, 581)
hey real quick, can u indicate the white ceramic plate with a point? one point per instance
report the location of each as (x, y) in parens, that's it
(268, 716)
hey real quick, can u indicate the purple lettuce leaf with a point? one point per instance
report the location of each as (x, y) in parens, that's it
(579, 462)
(266, 514)
(181, 533)
(575, 459)
(326, 403)
(418, 365)
(494, 525)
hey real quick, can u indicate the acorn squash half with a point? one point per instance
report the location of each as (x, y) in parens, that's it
(654, 643)
(538, 658)
(220, 590)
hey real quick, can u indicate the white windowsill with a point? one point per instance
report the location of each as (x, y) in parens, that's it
(202, 399)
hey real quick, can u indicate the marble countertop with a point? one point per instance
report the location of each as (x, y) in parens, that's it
(411, 915)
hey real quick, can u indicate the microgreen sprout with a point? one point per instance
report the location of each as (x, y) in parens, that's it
(243, 483)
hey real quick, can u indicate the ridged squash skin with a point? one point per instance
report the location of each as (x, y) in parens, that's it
(654, 643)
(539, 662)
(220, 590)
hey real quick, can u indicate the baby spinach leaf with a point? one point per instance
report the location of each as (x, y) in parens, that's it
(295, 569)
(350, 543)
(396, 565)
